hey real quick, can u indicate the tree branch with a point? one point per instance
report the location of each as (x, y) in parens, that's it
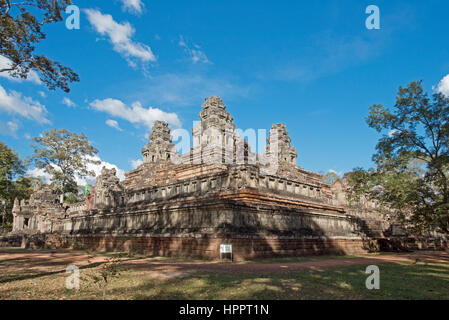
(431, 129)
(8, 8)
(7, 69)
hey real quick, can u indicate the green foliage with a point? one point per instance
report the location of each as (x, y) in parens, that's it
(23, 187)
(74, 194)
(10, 167)
(21, 25)
(361, 182)
(330, 177)
(12, 184)
(63, 155)
(412, 159)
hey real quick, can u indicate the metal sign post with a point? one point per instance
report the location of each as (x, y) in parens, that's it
(226, 248)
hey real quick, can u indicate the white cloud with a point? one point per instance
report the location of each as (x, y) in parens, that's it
(9, 128)
(6, 63)
(42, 94)
(40, 173)
(136, 163)
(443, 86)
(120, 35)
(69, 103)
(113, 124)
(195, 54)
(392, 132)
(14, 103)
(136, 113)
(338, 173)
(188, 89)
(97, 169)
(12, 127)
(133, 6)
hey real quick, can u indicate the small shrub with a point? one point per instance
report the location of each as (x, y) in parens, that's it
(106, 273)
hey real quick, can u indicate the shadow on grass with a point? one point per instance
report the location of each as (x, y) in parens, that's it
(48, 273)
(398, 281)
(160, 280)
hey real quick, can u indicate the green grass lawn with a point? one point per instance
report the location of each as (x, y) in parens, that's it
(397, 281)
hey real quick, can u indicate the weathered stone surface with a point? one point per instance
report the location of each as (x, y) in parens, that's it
(108, 191)
(34, 214)
(279, 143)
(219, 190)
(160, 147)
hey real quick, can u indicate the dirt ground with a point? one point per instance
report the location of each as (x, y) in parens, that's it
(29, 262)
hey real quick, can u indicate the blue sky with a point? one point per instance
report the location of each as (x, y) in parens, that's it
(310, 64)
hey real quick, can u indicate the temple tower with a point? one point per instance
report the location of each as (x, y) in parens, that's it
(279, 142)
(214, 137)
(160, 147)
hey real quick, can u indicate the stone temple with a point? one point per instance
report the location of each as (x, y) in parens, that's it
(218, 193)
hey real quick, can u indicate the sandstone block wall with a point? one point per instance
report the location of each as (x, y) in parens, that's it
(243, 248)
(238, 219)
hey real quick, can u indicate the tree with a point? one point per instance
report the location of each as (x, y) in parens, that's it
(23, 187)
(10, 167)
(64, 155)
(21, 25)
(412, 159)
(76, 195)
(330, 177)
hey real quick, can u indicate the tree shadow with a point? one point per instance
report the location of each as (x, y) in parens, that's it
(341, 283)
(43, 274)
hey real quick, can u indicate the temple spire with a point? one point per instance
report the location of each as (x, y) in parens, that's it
(160, 147)
(279, 142)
